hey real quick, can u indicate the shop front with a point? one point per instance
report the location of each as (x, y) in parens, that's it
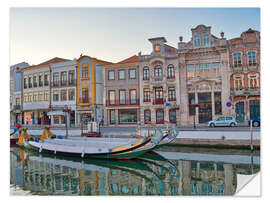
(127, 116)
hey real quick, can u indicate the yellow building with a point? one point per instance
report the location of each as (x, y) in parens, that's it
(90, 88)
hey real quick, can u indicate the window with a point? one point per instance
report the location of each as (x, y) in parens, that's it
(206, 40)
(157, 48)
(237, 59)
(55, 79)
(112, 97)
(71, 80)
(71, 94)
(25, 83)
(221, 119)
(63, 95)
(218, 110)
(40, 83)
(84, 98)
(191, 100)
(172, 115)
(41, 96)
(133, 96)
(238, 81)
(147, 115)
(122, 96)
(35, 81)
(30, 82)
(160, 116)
(85, 71)
(145, 73)
(128, 116)
(63, 78)
(112, 116)
(56, 119)
(17, 101)
(158, 71)
(171, 74)
(35, 97)
(146, 95)
(216, 70)
(190, 71)
(203, 70)
(197, 41)
(171, 94)
(29, 97)
(55, 96)
(252, 58)
(111, 75)
(132, 74)
(158, 96)
(121, 75)
(46, 96)
(253, 80)
(46, 82)
(25, 97)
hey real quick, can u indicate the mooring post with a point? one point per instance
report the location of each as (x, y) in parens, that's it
(251, 136)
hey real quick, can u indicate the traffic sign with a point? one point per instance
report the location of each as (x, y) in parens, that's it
(229, 104)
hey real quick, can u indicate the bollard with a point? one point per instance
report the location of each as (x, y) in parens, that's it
(251, 136)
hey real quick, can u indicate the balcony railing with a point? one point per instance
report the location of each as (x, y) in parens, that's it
(55, 83)
(46, 83)
(72, 82)
(122, 102)
(17, 107)
(64, 83)
(25, 86)
(84, 100)
(245, 91)
(158, 101)
(30, 85)
(157, 78)
(35, 84)
(40, 83)
(253, 66)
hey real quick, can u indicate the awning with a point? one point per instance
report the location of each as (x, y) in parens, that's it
(52, 113)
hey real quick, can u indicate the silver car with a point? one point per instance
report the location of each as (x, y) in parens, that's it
(223, 121)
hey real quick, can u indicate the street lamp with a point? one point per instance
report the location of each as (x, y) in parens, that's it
(66, 110)
(194, 115)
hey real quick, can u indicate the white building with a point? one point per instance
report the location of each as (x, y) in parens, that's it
(63, 92)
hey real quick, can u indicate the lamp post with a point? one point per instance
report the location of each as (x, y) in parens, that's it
(66, 110)
(194, 115)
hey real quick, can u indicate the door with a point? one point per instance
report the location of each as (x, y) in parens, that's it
(205, 108)
(254, 109)
(240, 111)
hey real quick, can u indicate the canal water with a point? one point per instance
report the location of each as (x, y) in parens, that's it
(170, 171)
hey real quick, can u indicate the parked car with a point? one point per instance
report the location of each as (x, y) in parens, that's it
(223, 121)
(256, 122)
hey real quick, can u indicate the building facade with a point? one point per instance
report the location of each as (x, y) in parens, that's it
(16, 92)
(245, 75)
(159, 84)
(63, 92)
(204, 76)
(36, 92)
(90, 89)
(121, 98)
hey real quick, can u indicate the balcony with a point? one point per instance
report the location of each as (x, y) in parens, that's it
(17, 107)
(237, 68)
(83, 100)
(40, 83)
(122, 102)
(253, 67)
(46, 83)
(25, 86)
(158, 101)
(55, 84)
(245, 92)
(72, 82)
(35, 84)
(30, 85)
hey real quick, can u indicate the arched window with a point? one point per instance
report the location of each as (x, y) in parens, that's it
(146, 73)
(158, 71)
(237, 59)
(206, 40)
(238, 81)
(171, 73)
(252, 58)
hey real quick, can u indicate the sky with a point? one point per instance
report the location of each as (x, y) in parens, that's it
(113, 34)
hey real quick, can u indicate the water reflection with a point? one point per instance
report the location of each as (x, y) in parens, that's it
(152, 174)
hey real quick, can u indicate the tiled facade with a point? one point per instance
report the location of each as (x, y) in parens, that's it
(245, 75)
(121, 98)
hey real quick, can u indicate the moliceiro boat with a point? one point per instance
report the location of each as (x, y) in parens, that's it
(84, 147)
